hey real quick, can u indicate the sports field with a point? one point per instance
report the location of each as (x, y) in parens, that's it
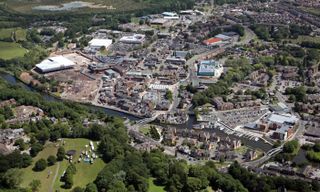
(10, 50)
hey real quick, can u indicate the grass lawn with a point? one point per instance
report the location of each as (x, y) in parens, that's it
(6, 33)
(10, 50)
(153, 187)
(86, 172)
(21, 35)
(119, 5)
(29, 174)
(242, 150)
(304, 38)
(311, 10)
(145, 130)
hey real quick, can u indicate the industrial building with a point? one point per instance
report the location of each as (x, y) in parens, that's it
(96, 44)
(54, 64)
(210, 68)
(134, 39)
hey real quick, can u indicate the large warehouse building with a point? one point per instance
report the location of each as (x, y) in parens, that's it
(54, 64)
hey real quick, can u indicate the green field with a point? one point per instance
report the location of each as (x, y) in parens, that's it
(119, 5)
(85, 172)
(153, 187)
(10, 50)
(311, 10)
(6, 33)
(29, 174)
(304, 38)
(13, 33)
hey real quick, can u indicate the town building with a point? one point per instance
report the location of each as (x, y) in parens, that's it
(213, 41)
(133, 39)
(210, 68)
(97, 44)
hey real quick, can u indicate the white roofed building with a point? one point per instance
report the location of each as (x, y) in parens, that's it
(54, 64)
(96, 44)
(134, 39)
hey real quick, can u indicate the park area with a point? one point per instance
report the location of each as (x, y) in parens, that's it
(50, 177)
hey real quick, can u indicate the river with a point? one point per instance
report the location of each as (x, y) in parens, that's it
(192, 120)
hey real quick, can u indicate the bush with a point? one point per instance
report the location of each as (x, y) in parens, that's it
(40, 165)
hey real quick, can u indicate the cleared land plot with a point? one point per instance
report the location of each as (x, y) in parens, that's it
(86, 172)
(10, 50)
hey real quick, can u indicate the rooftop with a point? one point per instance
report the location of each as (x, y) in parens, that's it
(100, 42)
(283, 118)
(55, 63)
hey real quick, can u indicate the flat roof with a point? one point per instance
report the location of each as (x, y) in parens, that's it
(100, 42)
(283, 118)
(221, 36)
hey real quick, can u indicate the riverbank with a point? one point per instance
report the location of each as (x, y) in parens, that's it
(119, 113)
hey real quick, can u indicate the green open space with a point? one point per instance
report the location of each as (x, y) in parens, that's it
(10, 50)
(312, 10)
(20, 35)
(85, 174)
(17, 34)
(302, 38)
(43, 176)
(153, 187)
(145, 129)
(6, 33)
(119, 5)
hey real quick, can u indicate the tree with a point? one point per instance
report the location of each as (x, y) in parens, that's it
(40, 165)
(22, 145)
(35, 149)
(51, 160)
(290, 146)
(154, 133)
(91, 187)
(169, 95)
(12, 178)
(117, 186)
(78, 189)
(61, 154)
(35, 185)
